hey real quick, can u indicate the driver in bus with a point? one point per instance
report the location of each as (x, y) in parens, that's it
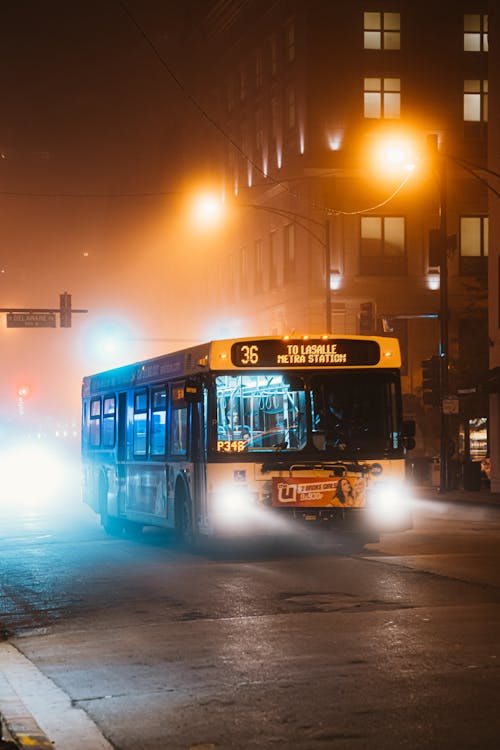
(332, 421)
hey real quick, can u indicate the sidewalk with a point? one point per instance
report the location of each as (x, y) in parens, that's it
(479, 497)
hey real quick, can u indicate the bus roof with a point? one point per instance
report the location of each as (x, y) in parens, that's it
(265, 352)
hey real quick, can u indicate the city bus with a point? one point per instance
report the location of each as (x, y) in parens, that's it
(249, 436)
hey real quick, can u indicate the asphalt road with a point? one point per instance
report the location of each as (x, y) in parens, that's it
(128, 643)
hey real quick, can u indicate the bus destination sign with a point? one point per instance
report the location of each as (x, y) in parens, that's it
(305, 353)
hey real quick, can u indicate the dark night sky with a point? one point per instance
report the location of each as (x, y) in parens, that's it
(78, 81)
(88, 108)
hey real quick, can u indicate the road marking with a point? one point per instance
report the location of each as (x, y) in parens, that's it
(48, 718)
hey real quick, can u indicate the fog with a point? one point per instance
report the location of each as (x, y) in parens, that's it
(91, 196)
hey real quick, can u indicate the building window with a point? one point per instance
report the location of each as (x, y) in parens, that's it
(289, 252)
(382, 247)
(476, 32)
(382, 31)
(473, 244)
(475, 100)
(382, 97)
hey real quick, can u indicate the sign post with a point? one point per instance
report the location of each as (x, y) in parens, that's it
(32, 317)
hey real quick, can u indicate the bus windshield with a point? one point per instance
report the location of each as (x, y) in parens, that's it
(261, 411)
(355, 412)
(351, 412)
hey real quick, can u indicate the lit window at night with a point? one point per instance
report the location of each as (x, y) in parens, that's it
(382, 98)
(476, 32)
(473, 236)
(475, 101)
(382, 246)
(382, 31)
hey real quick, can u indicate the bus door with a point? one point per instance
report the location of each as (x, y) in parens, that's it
(121, 453)
(197, 404)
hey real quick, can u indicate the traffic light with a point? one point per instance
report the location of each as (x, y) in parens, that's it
(367, 321)
(431, 381)
(65, 310)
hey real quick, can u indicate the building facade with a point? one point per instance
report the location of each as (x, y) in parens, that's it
(346, 134)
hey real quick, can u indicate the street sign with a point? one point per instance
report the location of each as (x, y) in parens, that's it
(31, 320)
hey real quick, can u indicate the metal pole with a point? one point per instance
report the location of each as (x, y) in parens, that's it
(443, 317)
(328, 297)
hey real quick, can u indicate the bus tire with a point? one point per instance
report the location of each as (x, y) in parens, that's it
(111, 525)
(184, 531)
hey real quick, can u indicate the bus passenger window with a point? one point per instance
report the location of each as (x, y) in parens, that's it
(95, 422)
(178, 431)
(158, 422)
(140, 423)
(108, 422)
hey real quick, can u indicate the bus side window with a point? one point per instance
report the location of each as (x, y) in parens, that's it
(85, 424)
(158, 421)
(108, 421)
(178, 421)
(95, 423)
(140, 435)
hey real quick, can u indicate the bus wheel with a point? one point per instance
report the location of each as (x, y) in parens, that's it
(132, 528)
(111, 525)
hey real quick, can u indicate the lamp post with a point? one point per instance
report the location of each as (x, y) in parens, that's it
(440, 162)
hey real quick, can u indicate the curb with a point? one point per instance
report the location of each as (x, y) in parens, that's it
(18, 728)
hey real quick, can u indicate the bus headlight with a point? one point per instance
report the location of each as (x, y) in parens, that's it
(233, 502)
(389, 505)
